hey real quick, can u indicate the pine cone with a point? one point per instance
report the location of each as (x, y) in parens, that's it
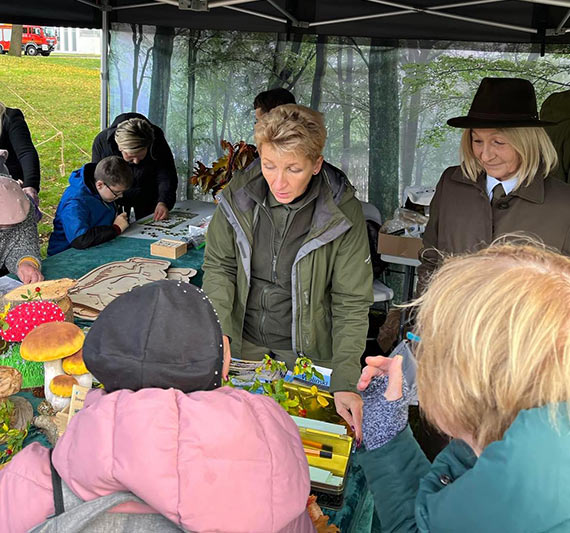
(10, 381)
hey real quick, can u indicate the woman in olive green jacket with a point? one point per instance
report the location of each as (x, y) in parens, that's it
(504, 183)
(494, 374)
(287, 261)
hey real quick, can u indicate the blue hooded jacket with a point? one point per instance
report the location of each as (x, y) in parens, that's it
(79, 210)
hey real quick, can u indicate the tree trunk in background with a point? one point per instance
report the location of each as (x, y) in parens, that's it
(137, 39)
(410, 118)
(16, 41)
(383, 187)
(160, 80)
(286, 73)
(320, 69)
(226, 110)
(345, 86)
(138, 80)
(192, 56)
(215, 135)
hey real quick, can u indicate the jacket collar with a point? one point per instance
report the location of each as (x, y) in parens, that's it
(333, 186)
(532, 193)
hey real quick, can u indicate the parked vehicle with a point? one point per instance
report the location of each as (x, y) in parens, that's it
(36, 40)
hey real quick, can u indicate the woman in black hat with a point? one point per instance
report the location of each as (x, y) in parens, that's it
(503, 184)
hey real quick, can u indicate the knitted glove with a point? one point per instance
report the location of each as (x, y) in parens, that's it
(382, 419)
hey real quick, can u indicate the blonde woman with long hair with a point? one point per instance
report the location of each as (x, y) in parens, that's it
(494, 375)
(23, 162)
(504, 183)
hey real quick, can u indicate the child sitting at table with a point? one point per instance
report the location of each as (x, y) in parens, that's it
(86, 214)
(163, 440)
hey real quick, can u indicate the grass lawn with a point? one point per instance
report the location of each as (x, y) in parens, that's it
(59, 96)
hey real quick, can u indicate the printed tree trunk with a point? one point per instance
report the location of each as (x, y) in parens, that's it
(383, 185)
(16, 41)
(160, 80)
(288, 66)
(320, 69)
(345, 86)
(137, 80)
(192, 57)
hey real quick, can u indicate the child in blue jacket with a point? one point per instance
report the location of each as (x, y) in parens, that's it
(86, 214)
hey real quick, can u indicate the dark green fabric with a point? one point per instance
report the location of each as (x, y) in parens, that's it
(280, 231)
(75, 263)
(519, 483)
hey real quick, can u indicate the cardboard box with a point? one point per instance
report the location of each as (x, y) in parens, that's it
(399, 246)
(168, 248)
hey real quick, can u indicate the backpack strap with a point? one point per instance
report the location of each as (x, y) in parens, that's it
(57, 490)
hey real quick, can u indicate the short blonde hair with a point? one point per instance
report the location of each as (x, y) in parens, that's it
(133, 135)
(494, 329)
(292, 128)
(533, 145)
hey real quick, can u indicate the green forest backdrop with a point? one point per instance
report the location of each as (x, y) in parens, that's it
(385, 106)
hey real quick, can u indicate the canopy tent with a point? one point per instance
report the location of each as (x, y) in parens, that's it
(512, 21)
(541, 21)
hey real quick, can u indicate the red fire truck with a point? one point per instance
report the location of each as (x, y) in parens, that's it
(35, 39)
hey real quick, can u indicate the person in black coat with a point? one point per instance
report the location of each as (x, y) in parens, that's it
(144, 147)
(23, 162)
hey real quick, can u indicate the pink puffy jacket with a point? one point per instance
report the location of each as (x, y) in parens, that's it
(223, 460)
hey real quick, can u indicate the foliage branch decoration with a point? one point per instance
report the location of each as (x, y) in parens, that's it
(11, 439)
(236, 157)
(276, 388)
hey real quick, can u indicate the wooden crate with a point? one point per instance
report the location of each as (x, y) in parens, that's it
(168, 248)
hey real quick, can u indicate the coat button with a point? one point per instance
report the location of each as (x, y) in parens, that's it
(444, 479)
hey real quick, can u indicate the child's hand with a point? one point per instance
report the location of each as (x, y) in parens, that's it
(121, 222)
(29, 273)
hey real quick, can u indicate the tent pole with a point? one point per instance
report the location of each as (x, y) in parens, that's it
(105, 65)
(256, 14)
(562, 22)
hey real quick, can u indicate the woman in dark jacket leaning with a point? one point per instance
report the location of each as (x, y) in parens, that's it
(23, 162)
(144, 147)
(503, 184)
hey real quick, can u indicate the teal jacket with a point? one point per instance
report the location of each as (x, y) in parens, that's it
(331, 276)
(520, 484)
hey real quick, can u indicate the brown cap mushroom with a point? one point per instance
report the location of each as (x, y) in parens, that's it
(74, 364)
(62, 385)
(51, 341)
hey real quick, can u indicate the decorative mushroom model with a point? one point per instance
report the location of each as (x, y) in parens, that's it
(50, 343)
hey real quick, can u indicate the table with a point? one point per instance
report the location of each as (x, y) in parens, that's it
(357, 514)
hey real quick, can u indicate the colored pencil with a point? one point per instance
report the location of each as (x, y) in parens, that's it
(315, 444)
(318, 453)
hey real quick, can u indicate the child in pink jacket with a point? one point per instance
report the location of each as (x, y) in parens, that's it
(205, 458)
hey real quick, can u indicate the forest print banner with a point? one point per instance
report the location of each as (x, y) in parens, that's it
(385, 107)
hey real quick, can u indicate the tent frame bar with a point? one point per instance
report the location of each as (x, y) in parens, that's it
(257, 14)
(436, 11)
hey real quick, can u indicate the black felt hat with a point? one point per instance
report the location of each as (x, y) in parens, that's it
(164, 334)
(502, 103)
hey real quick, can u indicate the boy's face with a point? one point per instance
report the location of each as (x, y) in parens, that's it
(109, 193)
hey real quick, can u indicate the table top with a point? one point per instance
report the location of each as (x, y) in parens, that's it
(396, 259)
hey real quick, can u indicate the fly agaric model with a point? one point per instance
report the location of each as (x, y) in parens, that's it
(22, 319)
(50, 344)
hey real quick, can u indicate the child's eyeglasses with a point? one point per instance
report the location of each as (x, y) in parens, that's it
(115, 194)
